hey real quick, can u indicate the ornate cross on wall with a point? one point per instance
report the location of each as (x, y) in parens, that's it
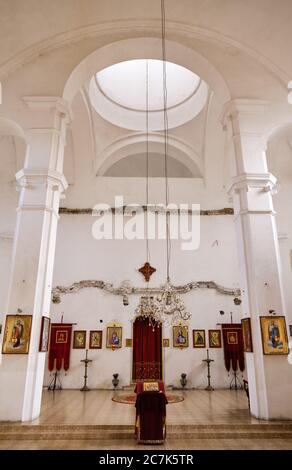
(147, 270)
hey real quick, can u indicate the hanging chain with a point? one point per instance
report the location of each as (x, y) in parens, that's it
(165, 129)
(147, 160)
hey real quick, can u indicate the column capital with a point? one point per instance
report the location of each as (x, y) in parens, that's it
(49, 103)
(31, 177)
(248, 113)
(264, 181)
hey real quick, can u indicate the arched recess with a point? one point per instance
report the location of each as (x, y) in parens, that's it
(9, 127)
(13, 146)
(135, 144)
(150, 47)
(279, 154)
(18, 140)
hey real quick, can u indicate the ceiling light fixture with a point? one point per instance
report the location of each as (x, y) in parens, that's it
(168, 307)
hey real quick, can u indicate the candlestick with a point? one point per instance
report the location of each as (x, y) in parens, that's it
(208, 362)
(86, 361)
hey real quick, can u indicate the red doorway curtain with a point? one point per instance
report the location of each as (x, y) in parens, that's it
(147, 350)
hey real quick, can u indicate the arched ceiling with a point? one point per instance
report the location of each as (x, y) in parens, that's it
(249, 23)
(226, 43)
(135, 166)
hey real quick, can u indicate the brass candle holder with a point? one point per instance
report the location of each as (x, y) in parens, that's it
(86, 361)
(208, 362)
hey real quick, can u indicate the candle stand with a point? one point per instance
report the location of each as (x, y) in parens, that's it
(86, 362)
(208, 362)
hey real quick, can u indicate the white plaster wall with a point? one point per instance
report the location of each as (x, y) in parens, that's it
(79, 256)
(8, 202)
(280, 164)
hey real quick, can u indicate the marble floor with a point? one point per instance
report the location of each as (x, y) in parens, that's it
(96, 407)
(170, 444)
(202, 411)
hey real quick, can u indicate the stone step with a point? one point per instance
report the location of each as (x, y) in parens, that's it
(130, 436)
(22, 427)
(103, 432)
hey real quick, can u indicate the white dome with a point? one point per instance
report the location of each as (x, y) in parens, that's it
(118, 94)
(125, 84)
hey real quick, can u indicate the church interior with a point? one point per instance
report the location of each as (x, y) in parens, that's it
(145, 224)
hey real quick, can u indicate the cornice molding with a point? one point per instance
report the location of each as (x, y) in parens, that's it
(238, 107)
(265, 181)
(126, 289)
(48, 103)
(146, 27)
(30, 177)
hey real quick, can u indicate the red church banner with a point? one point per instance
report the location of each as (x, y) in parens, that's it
(233, 346)
(60, 346)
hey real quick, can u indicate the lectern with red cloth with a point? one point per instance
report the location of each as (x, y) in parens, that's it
(150, 425)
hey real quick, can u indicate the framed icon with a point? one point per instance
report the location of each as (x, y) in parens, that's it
(114, 337)
(199, 339)
(180, 336)
(165, 342)
(129, 342)
(45, 334)
(17, 334)
(274, 335)
(79, 339)
(247, 335)
(215, 339)
(95, 339)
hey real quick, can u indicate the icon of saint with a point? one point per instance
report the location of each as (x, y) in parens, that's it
(199, 339)
(214, 339)
(115, 339)
(17, 333)
(274, 335)
(181, 339)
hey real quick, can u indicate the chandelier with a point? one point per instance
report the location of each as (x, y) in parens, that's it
(147, 309)
(167, 307)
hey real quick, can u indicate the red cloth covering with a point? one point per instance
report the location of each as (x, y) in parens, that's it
(151, 415)
(60, 346)
(233, 346)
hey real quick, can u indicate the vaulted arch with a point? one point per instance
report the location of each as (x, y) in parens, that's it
(135, 144)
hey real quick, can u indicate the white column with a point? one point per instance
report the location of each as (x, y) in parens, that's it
(41, 181)
(269, 377)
